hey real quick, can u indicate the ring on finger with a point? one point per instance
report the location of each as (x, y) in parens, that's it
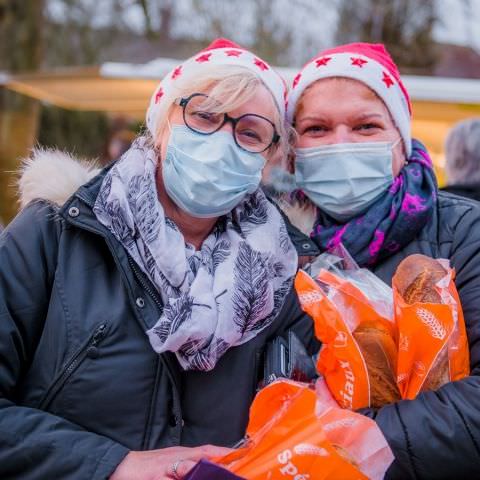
(175, 474)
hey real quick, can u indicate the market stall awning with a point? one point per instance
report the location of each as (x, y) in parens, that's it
(84, 89)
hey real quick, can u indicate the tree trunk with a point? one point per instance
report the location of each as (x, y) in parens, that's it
(21, 40)
(18, 129)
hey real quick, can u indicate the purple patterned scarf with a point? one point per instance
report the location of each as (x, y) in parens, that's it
(392, 221)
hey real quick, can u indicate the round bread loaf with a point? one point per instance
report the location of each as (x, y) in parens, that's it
(416, 277)
(439, 374)
(380, 354)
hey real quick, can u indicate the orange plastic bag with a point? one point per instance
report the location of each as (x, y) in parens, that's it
(433, 345)
(336, 315)
(292, 436)
(427, 342)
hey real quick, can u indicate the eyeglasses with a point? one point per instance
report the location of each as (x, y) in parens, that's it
(251, 132)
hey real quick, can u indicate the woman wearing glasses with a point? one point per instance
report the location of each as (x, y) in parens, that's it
(133, 314)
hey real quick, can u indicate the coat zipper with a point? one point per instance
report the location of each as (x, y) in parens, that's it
(72, 365)
(161, 358)
(145, 286)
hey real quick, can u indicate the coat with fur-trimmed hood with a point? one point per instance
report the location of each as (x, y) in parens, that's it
(80, 385)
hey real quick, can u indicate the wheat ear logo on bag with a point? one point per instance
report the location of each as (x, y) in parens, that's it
(437, 330)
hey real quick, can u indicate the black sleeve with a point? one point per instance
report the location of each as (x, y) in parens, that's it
(437, 435)
(35, 444)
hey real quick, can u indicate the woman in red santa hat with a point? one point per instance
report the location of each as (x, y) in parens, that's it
(371, 187)
(135, 302)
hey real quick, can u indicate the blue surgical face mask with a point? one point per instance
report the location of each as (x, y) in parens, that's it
(208, 175)
(344, 179)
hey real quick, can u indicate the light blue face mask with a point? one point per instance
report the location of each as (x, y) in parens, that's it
(208, 175)
(344, 179)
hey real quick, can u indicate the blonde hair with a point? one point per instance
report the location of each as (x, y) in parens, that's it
(229, 86)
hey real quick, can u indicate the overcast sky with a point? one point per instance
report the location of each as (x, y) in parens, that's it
(459, 25)
(460, 20)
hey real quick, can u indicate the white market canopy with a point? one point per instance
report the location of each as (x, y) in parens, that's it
(125, 88)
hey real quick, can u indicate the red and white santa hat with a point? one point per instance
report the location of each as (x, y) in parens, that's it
(219, 52)
(368, 63)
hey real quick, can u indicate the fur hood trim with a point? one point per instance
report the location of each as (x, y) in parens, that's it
(52, 175)
(301, 215)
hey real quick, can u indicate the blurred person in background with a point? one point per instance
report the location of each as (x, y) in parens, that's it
(372, 188)
(135, 302)
(462, 159)
(118, 144)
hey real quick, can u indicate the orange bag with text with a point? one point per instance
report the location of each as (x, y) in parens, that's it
(371, 356)
(359, 353)
(433, 345)
(291, 434)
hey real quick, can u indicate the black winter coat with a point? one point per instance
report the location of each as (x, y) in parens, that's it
(80, 385)
(437, 435)
(469, 191)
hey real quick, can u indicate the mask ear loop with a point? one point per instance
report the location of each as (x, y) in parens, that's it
(169, 126)
(394, 144)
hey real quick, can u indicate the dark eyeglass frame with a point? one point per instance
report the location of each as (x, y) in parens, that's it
(183, 102)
